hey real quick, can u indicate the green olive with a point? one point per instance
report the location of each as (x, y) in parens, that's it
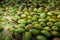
(21, 25)
(58, 16)
(47, 28)
(11, 29)
(35, 22)
(48, 17)
(27, 36)
(40, 10)
(1, 35)
(52, 20)
(54, 33)
(22, 21)
(57, 24)
(42, 15)
(46, 33)
(41, 37)
(41, 20)
(8, 37)
(16, 17)
(34, 31)
(34, 18)
(23, 15)
(29, 26)
(29, 17)
(42, 23)
(49, 23)
(54, 28)
(50, 13)
(37, 26)
(29, 21)
(19, 30)
(57, 12)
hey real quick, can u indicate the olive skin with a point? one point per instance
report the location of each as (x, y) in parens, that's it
(20, 30)
(34, 31)
(29, 19)
(46, 33)
(8, 37)
(40, 37)
(27, 36)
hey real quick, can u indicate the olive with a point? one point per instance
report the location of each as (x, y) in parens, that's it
(40, 37)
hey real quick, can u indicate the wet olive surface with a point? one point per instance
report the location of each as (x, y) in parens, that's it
(29, 20)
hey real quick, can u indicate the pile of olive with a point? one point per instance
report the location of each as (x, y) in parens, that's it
(29, 20)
